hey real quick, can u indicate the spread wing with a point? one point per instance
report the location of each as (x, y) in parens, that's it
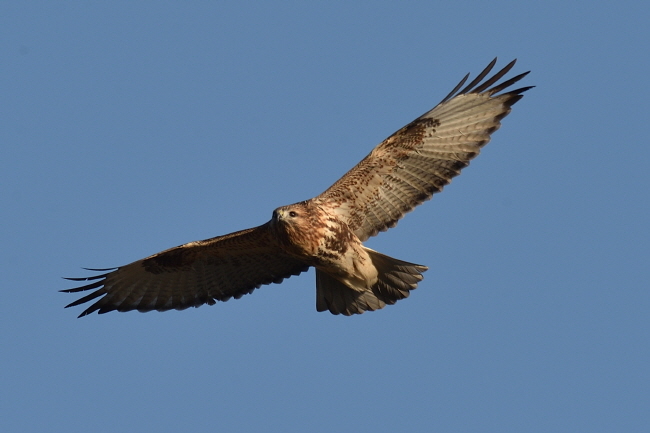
(422, 157)
(190, 275)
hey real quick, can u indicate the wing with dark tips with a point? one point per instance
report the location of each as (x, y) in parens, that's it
(190, 275)
(422, 157)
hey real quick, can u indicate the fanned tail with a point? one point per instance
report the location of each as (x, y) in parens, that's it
(395, 281)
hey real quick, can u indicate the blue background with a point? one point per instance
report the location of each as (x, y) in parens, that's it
(130, 127)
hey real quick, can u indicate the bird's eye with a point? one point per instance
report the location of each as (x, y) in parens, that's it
(292, 214)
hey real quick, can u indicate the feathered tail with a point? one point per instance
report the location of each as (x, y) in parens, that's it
(395, 280)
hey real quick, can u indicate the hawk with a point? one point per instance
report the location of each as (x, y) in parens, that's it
(327, 231)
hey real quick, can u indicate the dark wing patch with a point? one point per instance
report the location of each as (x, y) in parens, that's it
(190, 275)
(422, 157)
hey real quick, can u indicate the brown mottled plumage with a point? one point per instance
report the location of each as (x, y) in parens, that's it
(327, 231)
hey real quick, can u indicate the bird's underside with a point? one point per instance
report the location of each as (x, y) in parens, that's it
(327, 231)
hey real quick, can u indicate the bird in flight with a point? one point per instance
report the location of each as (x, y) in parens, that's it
(327, 231)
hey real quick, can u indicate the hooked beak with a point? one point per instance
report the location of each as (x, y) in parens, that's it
(278, 215)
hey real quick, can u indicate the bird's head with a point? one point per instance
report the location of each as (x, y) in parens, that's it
(294, 219)
(290, 214)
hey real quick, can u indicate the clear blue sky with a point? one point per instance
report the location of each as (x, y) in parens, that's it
(130, 127)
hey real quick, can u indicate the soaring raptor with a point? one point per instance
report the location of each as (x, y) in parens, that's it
(327, 231)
